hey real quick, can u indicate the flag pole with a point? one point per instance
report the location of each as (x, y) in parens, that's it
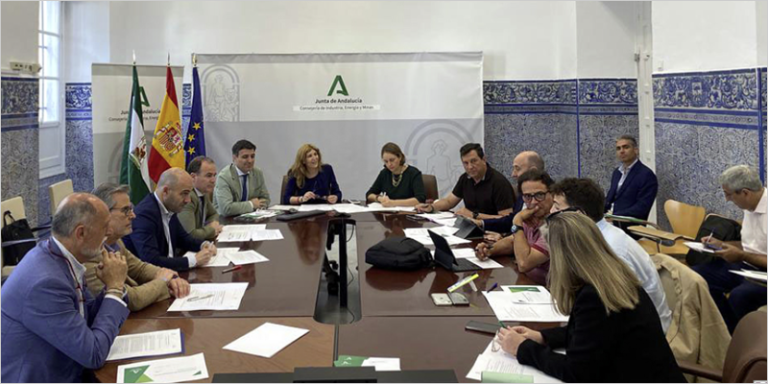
(194, 59)
(134, 57)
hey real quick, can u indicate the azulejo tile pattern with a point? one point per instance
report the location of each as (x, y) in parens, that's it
(20, 142)
(79, 137)
(705, 123)
(570, 123)
(722, 90)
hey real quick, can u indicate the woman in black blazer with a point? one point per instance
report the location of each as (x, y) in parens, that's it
(613, 333)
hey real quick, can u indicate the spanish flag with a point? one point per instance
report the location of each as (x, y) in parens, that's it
(167, 144)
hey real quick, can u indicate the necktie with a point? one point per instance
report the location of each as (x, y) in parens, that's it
(202, 210)
(245, 188)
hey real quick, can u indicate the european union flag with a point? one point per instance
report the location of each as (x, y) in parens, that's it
(194, 143)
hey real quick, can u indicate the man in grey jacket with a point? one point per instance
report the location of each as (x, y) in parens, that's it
(240, 187)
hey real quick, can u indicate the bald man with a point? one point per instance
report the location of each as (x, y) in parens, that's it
(54, 330)
(523, 162)
(158, 237)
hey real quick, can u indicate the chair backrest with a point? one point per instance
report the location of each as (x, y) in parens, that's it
(16, 206)
(685, 219)
(430, 187)
(58, 192)
(746, 358)
(282, 189)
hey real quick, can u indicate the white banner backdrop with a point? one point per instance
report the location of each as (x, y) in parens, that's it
(349, 105)
(112, 84)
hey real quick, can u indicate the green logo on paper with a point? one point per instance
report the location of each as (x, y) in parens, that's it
(136, 375)
(340, 82)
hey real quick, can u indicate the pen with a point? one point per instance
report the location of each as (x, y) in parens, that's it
(235, 268)
(493, 287)
(710, 236)
(199, 297)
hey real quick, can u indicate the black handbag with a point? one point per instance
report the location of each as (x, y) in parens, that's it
(18, 239)
(399, 253)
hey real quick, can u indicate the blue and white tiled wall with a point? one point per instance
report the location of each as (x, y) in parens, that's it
(572, 124)
(705, 123)
(20, 142)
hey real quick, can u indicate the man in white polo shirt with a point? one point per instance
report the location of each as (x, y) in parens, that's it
(741, 185)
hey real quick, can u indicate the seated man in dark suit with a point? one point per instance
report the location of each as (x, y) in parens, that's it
(633, 185)
(158, 237)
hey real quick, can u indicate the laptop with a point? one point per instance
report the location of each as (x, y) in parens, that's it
(467, 229)
(445, 258)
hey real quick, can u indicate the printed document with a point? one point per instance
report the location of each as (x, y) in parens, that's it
(266, 340)
(506, 309)
(213, 297)
(157, 343)
(164, 371)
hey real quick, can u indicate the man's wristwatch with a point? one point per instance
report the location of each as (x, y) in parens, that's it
(514, 229)
(475, 215)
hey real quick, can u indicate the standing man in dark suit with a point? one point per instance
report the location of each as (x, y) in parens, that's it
(633, 185)
(199, 217)
(158, 236)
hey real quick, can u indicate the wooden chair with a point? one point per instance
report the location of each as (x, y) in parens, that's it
(58, 192)
(430, 187)
(685, 220)
(745, 361)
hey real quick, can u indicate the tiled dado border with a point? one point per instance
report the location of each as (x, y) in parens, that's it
(20, 106)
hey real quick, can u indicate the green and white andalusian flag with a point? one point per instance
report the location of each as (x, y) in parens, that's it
(133, 169)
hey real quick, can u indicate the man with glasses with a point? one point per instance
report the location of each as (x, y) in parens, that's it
(585, 196)
(145, 283)
(526, 242)
(486, 192)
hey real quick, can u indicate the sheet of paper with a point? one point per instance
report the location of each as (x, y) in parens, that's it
(528, 294)
(164, 371)
(382, 363)
(214, 297)
(266, 340)
(437, 216)
(377, 207)
(460, 253)
(220, 260)
(157, 343)
(349, 208)
(315, 207)
(267, 234)
(752, 274)
(698, 247)
(260, 214)
(484, 264)
(452, 240)
(239, 232)
(446, 222)
(501, 361)
(506, 309)
(246, 257)
(423, 232)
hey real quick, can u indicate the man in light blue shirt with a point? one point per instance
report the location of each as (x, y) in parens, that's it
(586, 196)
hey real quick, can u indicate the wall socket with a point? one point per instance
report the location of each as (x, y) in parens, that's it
(32, 68)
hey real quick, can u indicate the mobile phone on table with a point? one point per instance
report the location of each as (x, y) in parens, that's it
(458, 299)
(441, 299)
(478, 326)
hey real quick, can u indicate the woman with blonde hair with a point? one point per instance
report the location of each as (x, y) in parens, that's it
(310, 181)
(398, 184)
(613, 334)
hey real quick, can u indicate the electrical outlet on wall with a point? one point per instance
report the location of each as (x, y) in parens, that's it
(32, 68)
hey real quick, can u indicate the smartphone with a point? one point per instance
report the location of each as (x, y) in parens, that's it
(482, 327)
(713, 246)
(458, 299)
(441, 299)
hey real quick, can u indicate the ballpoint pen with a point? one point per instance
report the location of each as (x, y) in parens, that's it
(493, 287)
(235, 268)
(199, 297)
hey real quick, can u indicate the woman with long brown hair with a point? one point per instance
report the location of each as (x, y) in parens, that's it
(613, 334)
(311, 181)
(398, 184)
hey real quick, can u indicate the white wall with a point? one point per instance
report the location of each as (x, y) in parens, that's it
(18, 32)
(762, 32)
(703, 36)
(86, 38)
(606, 39)
(521, 40)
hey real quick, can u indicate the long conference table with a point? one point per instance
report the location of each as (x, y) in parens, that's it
(398, 316)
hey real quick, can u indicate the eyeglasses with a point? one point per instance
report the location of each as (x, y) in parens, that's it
(569, 209)
(125, 210)
(539, 196)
